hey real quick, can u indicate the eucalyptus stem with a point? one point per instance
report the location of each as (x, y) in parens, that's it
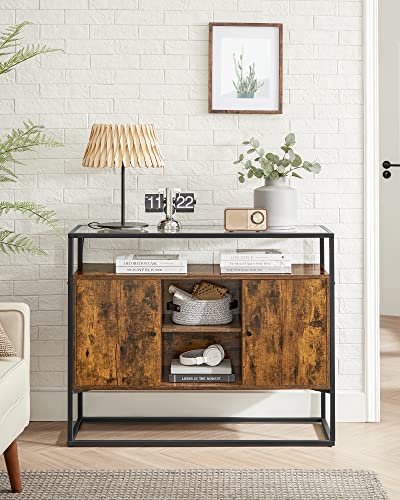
(270, 165)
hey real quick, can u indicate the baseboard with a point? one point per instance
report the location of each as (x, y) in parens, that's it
(51, 405)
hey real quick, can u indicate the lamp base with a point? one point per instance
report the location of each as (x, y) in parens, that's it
(118, 225)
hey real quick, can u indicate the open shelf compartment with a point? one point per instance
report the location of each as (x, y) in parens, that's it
(180, 338)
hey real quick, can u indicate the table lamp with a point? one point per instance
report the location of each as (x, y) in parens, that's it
(122, 146)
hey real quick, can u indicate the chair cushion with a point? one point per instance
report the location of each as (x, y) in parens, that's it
(6, 348)
(14, 384)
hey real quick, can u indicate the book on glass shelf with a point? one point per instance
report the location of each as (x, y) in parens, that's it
(287, 269)
(150, 264)
(151, 270)
(224, 368)
(190, 378)
(262, 255)
(146, 260)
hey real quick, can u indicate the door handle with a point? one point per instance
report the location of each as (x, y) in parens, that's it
(386, 165)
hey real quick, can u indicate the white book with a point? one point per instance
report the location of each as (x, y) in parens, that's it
(244, 255)
(256, 270)
(224, 368)
(256, 263)
(149, 260)
(151, 270)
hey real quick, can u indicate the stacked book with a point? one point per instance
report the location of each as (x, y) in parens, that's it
(255, 261)
(221, 373)
(150, 264)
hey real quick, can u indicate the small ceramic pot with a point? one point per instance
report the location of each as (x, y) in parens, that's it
(245, 95)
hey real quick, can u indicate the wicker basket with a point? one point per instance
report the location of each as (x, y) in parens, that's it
(202, 312)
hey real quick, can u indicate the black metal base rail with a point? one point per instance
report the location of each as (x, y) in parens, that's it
(327, 442)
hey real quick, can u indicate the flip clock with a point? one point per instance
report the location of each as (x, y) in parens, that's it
(169, 201)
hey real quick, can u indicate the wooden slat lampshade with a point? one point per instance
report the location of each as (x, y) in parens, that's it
(123, 146)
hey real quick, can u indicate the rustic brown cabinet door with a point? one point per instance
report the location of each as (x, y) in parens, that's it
(118, 333)
(285, 337)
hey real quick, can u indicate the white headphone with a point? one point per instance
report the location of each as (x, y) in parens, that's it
(212, 356)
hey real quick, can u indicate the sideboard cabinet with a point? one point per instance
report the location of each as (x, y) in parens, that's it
(278, 340)
(121, 334)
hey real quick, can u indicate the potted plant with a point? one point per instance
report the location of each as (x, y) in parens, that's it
(26, 138)
(276, 196)
(246, 85)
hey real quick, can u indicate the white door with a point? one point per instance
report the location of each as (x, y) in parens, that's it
(389, 90)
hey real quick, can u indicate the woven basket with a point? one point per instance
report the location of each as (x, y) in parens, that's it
(203, 312)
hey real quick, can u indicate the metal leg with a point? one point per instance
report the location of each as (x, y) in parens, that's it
(81, 242)
(323, 405)
(322, 253)
(332, 420)
(80, 405)
(70, 339)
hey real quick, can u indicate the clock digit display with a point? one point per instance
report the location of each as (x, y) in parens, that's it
(153, 203)
(184, 202)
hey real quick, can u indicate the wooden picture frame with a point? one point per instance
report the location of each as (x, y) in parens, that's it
(234, 90)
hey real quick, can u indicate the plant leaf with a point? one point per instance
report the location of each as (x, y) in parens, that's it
(296, 162)
(274, 175)
(11, 242)
(315, 168)
(290, 140)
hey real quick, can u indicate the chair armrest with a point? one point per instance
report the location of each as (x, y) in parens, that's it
(15, 318)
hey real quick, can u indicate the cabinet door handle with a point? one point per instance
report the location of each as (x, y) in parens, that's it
(249, 333)
(153, 334)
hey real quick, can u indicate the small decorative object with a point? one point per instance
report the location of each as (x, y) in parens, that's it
(169, 201)
(6, 348)
(208, 291)
(275, 196)
(181, 294)
(245, 68)
(189, 311)
(122, 146)
(245, 219)
(169, 224)
(212, 356)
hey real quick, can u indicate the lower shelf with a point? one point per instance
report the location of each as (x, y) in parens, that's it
(213, 386)
(169, 386)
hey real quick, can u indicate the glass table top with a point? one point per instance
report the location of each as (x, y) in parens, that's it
(201, 231)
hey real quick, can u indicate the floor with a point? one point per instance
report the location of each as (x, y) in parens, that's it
(359, 446)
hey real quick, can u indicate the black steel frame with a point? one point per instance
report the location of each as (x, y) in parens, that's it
(74, 426)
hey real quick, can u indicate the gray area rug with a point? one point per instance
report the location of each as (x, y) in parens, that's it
(200, 484)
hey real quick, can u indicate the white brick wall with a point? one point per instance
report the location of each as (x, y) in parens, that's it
(146, 60)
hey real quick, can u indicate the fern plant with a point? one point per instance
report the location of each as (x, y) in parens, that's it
(27, 138)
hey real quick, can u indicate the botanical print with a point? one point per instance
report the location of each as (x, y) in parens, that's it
(246, 86)
(245, 63)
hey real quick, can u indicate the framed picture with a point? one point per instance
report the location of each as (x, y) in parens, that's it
(245, 68)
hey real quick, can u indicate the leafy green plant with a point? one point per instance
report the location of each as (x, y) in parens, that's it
(245, 84)
(27, 138)
(270, 165)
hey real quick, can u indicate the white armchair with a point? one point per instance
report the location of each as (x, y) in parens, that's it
(14, 387)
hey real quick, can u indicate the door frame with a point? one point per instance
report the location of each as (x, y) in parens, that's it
(371, 211)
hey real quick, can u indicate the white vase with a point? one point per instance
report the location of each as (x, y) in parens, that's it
(280, 201)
